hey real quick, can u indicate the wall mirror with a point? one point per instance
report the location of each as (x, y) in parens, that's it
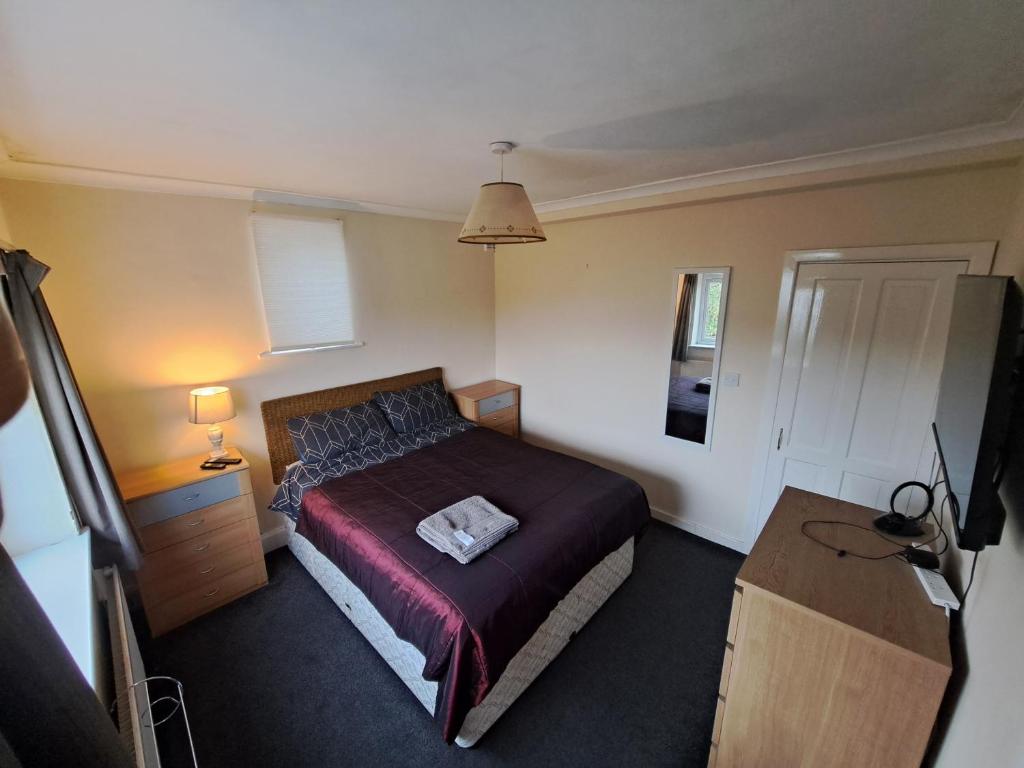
(699, 296)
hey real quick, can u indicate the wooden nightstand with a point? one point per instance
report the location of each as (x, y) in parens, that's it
(199, 536)
(493, 404)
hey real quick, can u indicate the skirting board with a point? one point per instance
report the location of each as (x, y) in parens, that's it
(700, 530)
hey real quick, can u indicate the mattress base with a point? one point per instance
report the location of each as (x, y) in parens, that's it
(568, 617)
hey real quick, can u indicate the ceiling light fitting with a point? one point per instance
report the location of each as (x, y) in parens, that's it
(502, 213)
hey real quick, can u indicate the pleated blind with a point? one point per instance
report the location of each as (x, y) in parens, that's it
(304, 281)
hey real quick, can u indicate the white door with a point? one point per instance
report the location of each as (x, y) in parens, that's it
(859, 378)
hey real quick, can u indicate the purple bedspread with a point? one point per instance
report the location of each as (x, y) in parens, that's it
(687, 415)
(469, 621)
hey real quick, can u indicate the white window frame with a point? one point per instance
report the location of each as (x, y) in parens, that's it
(700, 310)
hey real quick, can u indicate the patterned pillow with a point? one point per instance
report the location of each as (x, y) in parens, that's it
(324, 435)
(415, 407)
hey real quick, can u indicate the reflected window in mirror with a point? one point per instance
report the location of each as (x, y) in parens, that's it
(699, 300)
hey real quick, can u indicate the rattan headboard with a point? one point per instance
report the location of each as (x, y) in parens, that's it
(277, 412)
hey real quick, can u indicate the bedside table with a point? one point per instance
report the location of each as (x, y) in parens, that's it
(493, 404)
(198, 533)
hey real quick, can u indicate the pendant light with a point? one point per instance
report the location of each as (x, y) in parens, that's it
(502, 213)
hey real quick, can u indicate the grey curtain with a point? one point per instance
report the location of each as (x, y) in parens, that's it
(94, 495)
(681, 338)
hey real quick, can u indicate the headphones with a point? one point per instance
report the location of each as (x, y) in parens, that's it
(898, 524)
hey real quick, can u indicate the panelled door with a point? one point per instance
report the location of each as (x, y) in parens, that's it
(860, 378)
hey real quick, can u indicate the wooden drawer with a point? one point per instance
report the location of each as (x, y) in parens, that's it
(187, 498)
(716, 731)
(172, 559)
(489, 405)
(162, 586)
(723, 684)
(510, 428)
(734, 617)
(188, 526)
(503, 416)
(205, 598)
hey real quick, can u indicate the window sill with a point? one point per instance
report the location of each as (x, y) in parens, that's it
(277, 351)
(703, 346)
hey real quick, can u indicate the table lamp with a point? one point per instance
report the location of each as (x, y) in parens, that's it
(211, 405)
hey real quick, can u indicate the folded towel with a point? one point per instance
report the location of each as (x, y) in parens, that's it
(704, 385)
(466, 529)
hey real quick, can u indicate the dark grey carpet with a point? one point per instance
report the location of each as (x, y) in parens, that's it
(281, 677)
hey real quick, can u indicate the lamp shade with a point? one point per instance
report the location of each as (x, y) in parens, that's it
(210, 405)
(502, 214)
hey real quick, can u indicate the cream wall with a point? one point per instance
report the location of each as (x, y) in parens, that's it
(982, 713)
(154, 294)
(584, 321)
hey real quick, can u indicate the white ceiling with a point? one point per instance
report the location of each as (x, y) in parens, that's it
(395, 102)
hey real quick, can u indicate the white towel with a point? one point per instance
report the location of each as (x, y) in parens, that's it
(466, 529)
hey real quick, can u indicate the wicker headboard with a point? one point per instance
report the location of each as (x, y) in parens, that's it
(277, 412)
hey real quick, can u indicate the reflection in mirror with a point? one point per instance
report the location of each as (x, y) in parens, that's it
(700, 296)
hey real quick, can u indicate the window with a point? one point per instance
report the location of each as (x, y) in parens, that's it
(304, 283)
(705, 309)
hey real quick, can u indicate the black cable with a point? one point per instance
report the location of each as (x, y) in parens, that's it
(844, 552)
(963, 600)
(941, 518)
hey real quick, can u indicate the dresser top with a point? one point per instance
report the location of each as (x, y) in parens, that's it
(166, 477)
(484, 389)
(880, 597)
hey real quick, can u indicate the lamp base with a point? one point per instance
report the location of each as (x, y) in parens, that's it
(216, 435)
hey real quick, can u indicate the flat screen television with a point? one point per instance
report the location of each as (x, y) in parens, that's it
(978, 398)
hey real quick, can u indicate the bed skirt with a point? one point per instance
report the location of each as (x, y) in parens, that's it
(551, 637)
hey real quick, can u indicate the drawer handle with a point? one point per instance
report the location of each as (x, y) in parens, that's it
(193, 497)
(205, 571)
(212, 592)
(201, 547)
(200, 521)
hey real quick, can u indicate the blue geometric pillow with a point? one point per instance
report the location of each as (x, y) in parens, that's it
(321, 436)
(415, 407)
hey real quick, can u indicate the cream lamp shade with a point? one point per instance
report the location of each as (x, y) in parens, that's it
(211, 405)
(502, 214)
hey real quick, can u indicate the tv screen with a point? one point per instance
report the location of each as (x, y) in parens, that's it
(976, 403)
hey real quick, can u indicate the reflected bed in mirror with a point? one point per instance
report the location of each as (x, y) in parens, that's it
(699, 297)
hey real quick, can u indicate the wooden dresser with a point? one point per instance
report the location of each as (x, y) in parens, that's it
(829, 661)
(199, 536)
(493, 404)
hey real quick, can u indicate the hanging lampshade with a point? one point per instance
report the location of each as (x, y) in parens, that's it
(502, 213)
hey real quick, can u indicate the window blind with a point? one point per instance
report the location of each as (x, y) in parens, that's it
(304, 282)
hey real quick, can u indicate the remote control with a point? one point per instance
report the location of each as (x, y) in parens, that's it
(937, 589)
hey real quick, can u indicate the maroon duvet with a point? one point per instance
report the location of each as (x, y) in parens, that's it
(468, 621)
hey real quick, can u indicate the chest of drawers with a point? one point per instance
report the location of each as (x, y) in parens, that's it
(493, 404)
(199, 536)
(829, 661)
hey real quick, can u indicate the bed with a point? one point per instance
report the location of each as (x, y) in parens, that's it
(687, 415)
(465, 639)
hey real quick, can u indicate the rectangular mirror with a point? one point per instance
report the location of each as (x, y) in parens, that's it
(699, 297)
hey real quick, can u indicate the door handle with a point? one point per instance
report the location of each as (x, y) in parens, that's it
(778, 444)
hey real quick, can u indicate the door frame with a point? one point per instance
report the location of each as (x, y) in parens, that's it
(979, 256)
